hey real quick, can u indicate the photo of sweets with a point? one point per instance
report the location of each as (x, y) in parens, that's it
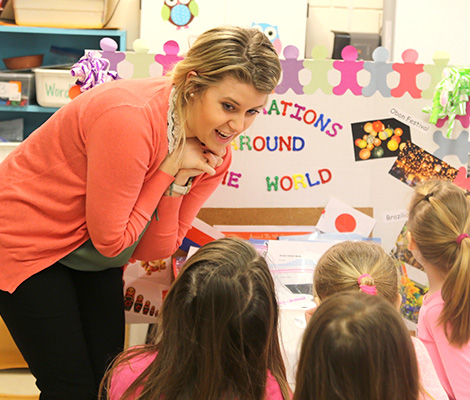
(413, 279)
(379, 138)
(415, 165)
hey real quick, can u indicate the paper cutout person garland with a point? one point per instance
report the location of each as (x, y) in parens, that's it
(379, 69)
(459, 147)
(440, 59)
(171, 57)
(109, 51)
(140, 60)
(349, 68)
(461, 179)
(291, 67)
(319, 67)
(408, 71)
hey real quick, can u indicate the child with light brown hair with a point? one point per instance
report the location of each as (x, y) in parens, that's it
(218, 335)
(365, 267)
(356, 347)
(438, 237)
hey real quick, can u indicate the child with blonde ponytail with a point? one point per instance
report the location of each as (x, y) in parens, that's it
(357, 347)
(438, 237)
(365, 267)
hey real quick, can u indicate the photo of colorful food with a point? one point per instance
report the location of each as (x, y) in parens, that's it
(379, 138)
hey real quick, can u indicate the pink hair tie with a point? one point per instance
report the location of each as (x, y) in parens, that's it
(460, 238)
(367, 289)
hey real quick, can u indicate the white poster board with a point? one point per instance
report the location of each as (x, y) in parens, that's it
(305, 147)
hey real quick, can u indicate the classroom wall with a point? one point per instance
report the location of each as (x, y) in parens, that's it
(428, 26)
(324, 16)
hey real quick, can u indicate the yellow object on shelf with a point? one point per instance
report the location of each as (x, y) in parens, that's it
(83, 14)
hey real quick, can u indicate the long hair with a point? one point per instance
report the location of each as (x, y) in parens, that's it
(219, 330)
(356, 347)
(439, 213)
(340, 267)
(245, 54)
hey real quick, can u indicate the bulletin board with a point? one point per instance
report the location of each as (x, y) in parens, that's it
(302, 151)
(336, 129)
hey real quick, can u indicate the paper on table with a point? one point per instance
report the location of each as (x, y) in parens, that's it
(330, 237)
(292, 264)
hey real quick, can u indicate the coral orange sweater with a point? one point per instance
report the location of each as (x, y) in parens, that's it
(91, 171)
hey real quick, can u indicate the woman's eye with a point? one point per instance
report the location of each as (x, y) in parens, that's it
(228, 107)
(253, 112)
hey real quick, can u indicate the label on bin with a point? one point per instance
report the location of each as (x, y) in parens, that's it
(10, 90)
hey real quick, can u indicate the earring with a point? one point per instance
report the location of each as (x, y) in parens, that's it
(191, 94)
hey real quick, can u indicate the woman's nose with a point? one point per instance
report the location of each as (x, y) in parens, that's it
(237, 124)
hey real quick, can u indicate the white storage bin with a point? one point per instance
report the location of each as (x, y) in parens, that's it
(83, 14)
(52, 86)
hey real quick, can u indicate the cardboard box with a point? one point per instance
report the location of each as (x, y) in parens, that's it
(83, 14)
(52, 86)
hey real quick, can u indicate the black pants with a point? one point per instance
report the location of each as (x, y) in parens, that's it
(68, 325)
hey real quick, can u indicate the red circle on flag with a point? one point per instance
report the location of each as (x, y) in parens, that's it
(345, 223)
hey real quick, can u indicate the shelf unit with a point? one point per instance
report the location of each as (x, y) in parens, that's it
(59, 46)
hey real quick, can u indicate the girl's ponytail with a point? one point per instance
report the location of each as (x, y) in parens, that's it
(439, 219)
(456, 295)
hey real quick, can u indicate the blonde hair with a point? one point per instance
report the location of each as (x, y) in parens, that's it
(340, 267)
(245, 54)
(356, 347)
(439, 213)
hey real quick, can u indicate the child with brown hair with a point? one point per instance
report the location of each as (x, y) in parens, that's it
(365, 267)
(356, 347)
(438, 237)
(218, 337)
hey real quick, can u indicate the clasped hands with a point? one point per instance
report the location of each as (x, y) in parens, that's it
(193, 159)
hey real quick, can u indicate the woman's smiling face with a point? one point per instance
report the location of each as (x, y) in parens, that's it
(223, 111)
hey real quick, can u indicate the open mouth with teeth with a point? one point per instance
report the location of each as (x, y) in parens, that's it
(223, 135)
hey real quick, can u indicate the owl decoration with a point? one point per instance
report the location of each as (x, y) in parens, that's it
(272, 33)
(180, 12)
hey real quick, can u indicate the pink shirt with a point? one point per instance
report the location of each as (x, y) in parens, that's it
(452, 364)
(427, 373)
(128, 373)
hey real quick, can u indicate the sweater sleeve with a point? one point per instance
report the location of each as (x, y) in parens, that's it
(175, 216)
(121, 194)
